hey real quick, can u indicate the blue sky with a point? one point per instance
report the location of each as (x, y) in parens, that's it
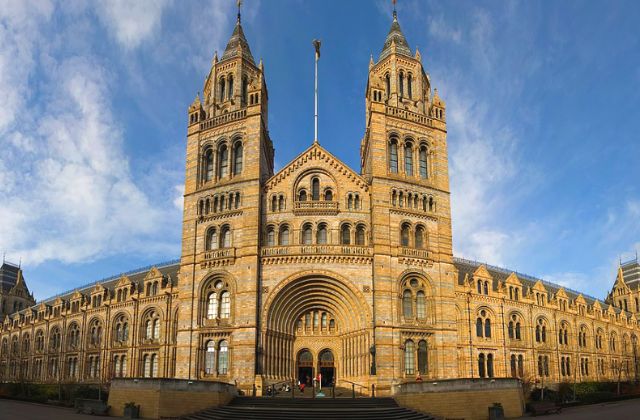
(542, 101)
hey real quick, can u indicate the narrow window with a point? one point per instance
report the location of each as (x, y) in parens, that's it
(423, 162)
(210, 358)
(409, 357)
(271, 236)
(328, 195)
(388, 85)
(225, 306)
(360, 235)
(479, 327)
(407, 307)
(303, 195)
(487, 328)
(222, 89)
(393, 157)
(226, 237)
(404, 235)
(421, 305)
(284, 236)
(208, 165)
(481, 366)
(212, 239)
(237, 158)
(490, 365)
(409, 89)
(315, 189)
(223, 161)
(401, 84)
(230, 89)
(419, 237)
(408, 159)
(307, 235)
(422, 357)
(346, 235)
(321, 235)
(274, 203)
(245, 86)
(223, 358)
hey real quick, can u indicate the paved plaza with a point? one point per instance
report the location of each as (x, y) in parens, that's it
(614, 410)
(19, 410)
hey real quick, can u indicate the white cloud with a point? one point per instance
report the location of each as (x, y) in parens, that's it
(131, 22)
(19, 23)
(66, 188)
(178, 201)
(441, 30)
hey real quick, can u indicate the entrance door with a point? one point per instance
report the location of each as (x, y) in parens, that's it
(327, 367)
(304, 364)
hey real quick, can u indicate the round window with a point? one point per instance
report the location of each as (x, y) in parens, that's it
(219, 285)
(413, 282)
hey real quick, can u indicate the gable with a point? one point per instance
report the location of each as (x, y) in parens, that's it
(316, 157)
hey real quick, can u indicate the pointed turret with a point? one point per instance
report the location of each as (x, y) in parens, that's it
(395, 41)
(238, 45)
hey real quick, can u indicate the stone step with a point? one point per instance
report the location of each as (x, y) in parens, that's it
(250, 408)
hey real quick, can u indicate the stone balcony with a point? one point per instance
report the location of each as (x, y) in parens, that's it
(315, 207)
(217, 257)
(223, 119)
(353, 250)
(413, 253)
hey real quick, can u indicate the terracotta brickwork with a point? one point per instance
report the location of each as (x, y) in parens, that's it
(318, 268)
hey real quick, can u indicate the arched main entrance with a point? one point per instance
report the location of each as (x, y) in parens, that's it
(326, 367)
(316, 324)
(304, 366)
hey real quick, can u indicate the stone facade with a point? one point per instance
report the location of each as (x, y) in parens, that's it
(321, 269)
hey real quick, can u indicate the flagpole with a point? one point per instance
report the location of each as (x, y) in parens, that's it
(316, 44)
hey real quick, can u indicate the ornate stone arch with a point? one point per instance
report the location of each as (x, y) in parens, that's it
(320, 288)
(217, 282)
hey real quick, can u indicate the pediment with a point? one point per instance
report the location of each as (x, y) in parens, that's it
(561, 293)
(154, 273)
(581, 300)
(316, 156)
(539, 287)
(76, 295)
(482, 272)
(597, 305)
(98, 288)
(58, 301)
(513, 279)
(123, 282)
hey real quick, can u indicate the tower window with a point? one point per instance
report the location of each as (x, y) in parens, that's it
(223, 161)
(401, 84)
(230, 89)
(237, 158)
(283, 238)
(208, 165)
(409, 80)
(388, 84)
(303, 195)
(245, 88)
(393, 156)
(315, 189)
(360, 235)
(408, 159)
(346, 235)
(423, 162)
(222, 89)
(404, 235)
(307, 234)
(321, 235)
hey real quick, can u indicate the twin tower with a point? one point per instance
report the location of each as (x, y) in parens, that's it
(316, 269)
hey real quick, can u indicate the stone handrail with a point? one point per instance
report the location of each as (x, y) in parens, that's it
(413, 252)
(216, 254)
(274, 251)
(408, 115)
(222, 119)
(304, 205)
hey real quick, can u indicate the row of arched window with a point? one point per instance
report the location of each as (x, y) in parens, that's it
(216, 357)
(413, 353)
(225, 88)
(316, 322)
(413, 238)
(409, 151)
(218, 237)
(405, 84)
(316, 234)
(316, 194)
(217, 164)
(413, 201)
(150, 330)
(219, 203)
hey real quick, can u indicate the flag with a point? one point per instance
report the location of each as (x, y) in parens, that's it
(316, 43)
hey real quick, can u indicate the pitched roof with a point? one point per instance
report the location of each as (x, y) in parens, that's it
(237, 40)
(395, 36)
(499, 274)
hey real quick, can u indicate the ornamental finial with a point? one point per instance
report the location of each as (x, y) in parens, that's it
(239, 3)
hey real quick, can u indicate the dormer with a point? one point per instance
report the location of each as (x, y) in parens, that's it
(76, 302)
(513, 287)
(124, 289)
(153, 282)
(539, 294)
(483, 281)
(562, 300)
(597, 309)
(97, 296)
(581, 305)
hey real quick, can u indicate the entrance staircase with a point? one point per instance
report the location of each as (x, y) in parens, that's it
(248, 408)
